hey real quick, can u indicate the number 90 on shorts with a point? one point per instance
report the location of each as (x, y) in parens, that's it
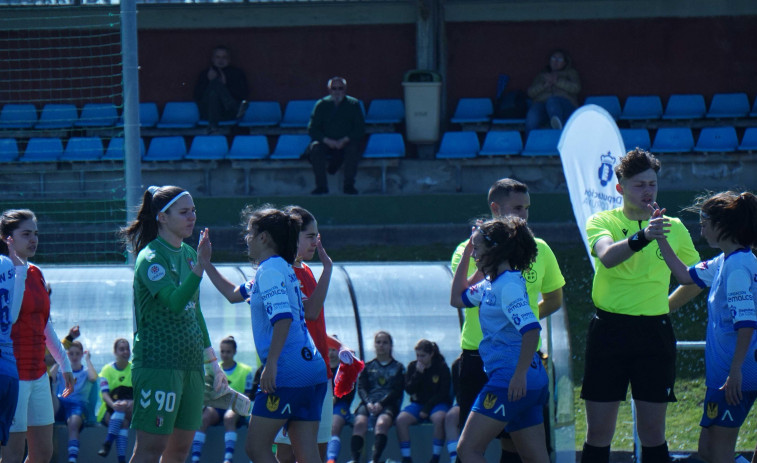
(165, 399)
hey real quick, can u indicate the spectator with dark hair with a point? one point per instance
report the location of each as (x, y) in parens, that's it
(554, 92)
(337, 126)
(221, 89)
(428, 382)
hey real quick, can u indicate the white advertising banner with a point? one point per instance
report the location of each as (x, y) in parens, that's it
(590, 148)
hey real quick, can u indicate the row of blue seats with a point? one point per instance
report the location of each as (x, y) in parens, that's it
(180, 115)
(543, 142)
(173, 148)
(679, 107)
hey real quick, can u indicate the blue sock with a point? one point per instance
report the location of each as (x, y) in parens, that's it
(452, 449)
(73, 450)
(114, 425)
(405, 449)
(197, 444)
(333, 449)
(438, 445)
(230, 439)
(121, 443)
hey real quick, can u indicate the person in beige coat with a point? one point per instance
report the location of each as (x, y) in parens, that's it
(554, 93)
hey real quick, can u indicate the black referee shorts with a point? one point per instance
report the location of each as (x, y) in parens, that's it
(623, 349)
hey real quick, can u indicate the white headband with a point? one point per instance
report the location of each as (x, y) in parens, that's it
(170, 203)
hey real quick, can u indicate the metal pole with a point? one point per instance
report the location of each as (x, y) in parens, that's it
(132, 155)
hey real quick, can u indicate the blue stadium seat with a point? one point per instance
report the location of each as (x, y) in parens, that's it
(749, 141)
(166, 149)
(43, 150)
(501, 142)
(633, 138)
(673, 140)
(83, 149)
(208, 148)
(8, 149)
(385, 111)
(57, 116)
(385, 145)
(717, 140)
(640, 108)
(728, 105)
(148, 114)
(179, 115)
(473, 110)
(542, 142)
(18, 116)
(297, 113)
(261, 114)
(249, 147)
(611, 103)
(458, 145)
(115, 150)
(753, 112)
(684, 106)
(97, 115)
(290, 146)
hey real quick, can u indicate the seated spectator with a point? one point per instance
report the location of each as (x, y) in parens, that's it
(240, 380)
(428, 382)
(117, 396)
(342, 414)
(221, 90)
(554, 93)
(73, 407)
(337, 127)
(380, 387)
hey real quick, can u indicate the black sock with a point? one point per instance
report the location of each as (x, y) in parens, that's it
(593, 454)
(379, 444)
(509, 457)
(356, 446)
(658, 454)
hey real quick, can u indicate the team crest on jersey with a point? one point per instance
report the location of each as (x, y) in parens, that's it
(435, 379)
(307, 354)
(159, 421)
(382, 380)
(343, 412)
(712, 410)
(155, 272)
(658, 253)
(272, 404)
(530, 275)
(490, 400)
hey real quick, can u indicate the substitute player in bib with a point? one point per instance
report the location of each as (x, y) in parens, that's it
(171, 342)
(240, 380)
(630, 338)
(514, 396)
(31, 333)
(10, 304)
(507, 197)
(117, 403)
(293, 380)
(729, 223)
(313, 296)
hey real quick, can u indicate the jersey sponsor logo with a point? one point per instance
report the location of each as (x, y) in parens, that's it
(530, 275)
(712, 410)
(307, 354)
(490, 400)
(272, 403)
(625, 231)
(292, 278)
(516, 320)
(658, 253)
(144, 402)
(435, 379)
(268, 308)
(155, 272)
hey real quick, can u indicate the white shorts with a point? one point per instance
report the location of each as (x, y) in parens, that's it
(324, 427)
(35, 404)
